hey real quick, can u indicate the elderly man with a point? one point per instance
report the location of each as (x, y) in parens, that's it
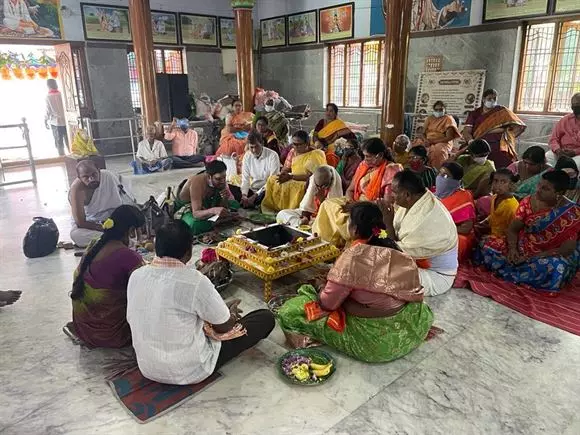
(325, 184)
(205, 198)
(565, 140)
(259, 164)
(93, 197)
(423, 229)
(401, 147)
(151, 154)
(183, 144)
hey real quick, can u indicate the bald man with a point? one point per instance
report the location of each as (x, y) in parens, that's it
(324, 184)
(565, 140)
(93, 196)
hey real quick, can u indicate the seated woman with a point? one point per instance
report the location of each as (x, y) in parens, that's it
(568, 165)
(328, 130)
(476, 167)
(530, 170)
(234, 134)
(541, 249)
(371, 182)
(270, 138)
(348, 151)
(440, 132)
(497, 125)
(401, 147)
(99, 293)
(460, 204)
(286, 190)
(371, 307)
(418, 164)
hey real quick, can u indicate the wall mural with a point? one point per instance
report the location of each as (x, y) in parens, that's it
(198, 30)
(273, 32)
(302, 28)
(30, 19)
(336, 22)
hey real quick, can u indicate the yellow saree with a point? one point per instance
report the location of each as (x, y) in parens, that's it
(436, 133)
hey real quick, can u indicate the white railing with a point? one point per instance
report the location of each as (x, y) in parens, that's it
(26, 136)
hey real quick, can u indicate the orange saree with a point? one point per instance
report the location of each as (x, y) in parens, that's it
(436, 134)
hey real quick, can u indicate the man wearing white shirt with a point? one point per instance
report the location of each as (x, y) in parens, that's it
(258, 165)
(182, 329)
(151, 155)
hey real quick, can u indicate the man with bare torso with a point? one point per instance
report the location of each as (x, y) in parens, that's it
(203, 197)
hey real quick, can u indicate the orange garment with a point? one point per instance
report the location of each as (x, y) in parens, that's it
(462, 209)
(372, 191)
(331, 158)
(502, 117)
(229, 144)
(182, 143)
(436, 133)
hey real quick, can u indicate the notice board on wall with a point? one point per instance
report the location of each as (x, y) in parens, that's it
(461, 91)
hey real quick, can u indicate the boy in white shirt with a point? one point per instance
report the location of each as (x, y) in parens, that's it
(151, 155)
(181, 327)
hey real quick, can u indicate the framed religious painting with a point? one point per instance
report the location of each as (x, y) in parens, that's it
(567, 6)
(164, 25)
(198, 30)
(227, 32)
(273, 31)
(336, 22)
(494, 10)
(31, 19)
(303, 28)
(428, 15)
(106, 23)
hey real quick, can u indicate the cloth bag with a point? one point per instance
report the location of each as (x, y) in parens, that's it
(155, 216)
(41, 238)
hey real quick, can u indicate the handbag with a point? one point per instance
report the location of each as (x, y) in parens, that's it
(41, 238)
(155, 216)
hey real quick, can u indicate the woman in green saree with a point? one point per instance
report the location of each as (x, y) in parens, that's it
(530, 169)
(371, 307)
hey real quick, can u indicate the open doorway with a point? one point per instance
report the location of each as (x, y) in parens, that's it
(25, 98)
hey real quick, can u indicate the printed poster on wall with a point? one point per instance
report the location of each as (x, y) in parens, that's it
(563, 6)
(227, 32)
(198, 30)
(164, 26)
(106, 23)
(30, 19)
(461, 91)
(273, 32)
(513, 9)
(336, 22)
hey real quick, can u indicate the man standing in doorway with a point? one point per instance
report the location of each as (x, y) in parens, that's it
(55, 117)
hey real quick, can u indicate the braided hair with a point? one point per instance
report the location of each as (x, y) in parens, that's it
(367, 218)
(124, 218)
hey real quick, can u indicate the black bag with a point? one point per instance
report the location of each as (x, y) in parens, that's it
(155, 216)
(41, 238)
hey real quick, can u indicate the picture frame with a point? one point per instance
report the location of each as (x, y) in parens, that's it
(199, 30)
(503, 10)
(274, 32)
(451, 14)
(164, 27)
(567, 6)
(227, 27)
(303, 28)
(336, 22)
(40, 20)
(106, 22)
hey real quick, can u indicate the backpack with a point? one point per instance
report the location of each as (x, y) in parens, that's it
(155, 216)
(41, 238)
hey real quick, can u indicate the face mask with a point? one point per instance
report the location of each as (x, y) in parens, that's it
(415, 165)
(437, 114)
(269, 108)
(479, 160)
(445, 186)
(490, 104)
(576, 110)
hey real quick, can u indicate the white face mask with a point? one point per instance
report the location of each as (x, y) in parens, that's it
(438, 114)
(490, 104)
(269, 108)
(480, 160)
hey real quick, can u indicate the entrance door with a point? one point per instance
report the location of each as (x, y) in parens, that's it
(72, 65)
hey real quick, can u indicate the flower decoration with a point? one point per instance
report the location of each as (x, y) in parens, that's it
(380, 233)
(108, 224)
(299, 240)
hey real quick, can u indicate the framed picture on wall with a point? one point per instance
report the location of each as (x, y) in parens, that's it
(198, 30)
(273, 31)
(164, 25)
(106, 23)
(438, 14)
(30, 20)
(565, 6)
(336, 22)
(513, 9)
(303, 28)
(227, 32)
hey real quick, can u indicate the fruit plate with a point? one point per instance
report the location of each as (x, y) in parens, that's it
(315, 356)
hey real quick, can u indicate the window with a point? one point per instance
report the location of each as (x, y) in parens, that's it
(355, 75)
(166, 61)
(550, 67)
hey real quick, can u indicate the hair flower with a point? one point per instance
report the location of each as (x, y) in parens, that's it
(108, 224)
(380, 233)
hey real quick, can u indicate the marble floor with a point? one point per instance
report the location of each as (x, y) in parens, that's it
(493, 371)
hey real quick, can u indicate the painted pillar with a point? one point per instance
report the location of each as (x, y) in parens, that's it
(397, 28)
(244, 50)
(140, 16)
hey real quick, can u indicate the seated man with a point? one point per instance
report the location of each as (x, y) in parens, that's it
(326, 183)
(565, 140)
(259, 164)
(151, 154)
(183, 144)
(423, 229)
(203, 197)
(93, 197)
(182, 329)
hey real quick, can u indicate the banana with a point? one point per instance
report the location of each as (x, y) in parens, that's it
(314, 366)
(320, 373)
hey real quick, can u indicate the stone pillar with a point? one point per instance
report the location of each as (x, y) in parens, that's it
(397, 28)
(140, 16)
(244, 50)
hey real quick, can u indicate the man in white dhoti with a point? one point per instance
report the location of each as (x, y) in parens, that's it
(93, 197)
(18, 17)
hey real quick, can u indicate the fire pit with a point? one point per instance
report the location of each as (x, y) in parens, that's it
(275, 251)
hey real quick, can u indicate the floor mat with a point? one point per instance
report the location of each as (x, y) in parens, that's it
(146, 400)
(561, 310)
